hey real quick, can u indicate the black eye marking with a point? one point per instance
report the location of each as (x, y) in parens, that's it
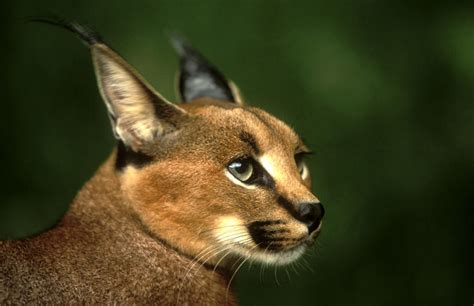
(286, 204)
(250, 140)
(264, 178)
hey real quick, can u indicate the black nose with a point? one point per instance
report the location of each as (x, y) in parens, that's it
(311, 215)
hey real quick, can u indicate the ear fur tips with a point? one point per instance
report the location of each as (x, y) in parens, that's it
(198, 77)
(179, 44)
(239, 99)
(139, 115)
(87, 35)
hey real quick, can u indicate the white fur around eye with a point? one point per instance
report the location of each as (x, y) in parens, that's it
(271, 167)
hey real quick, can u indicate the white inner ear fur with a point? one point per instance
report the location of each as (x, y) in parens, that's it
(129, 99)
(236, 93)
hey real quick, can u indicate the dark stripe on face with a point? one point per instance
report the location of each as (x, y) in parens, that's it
(261, 119)
(263, 236)
(126, 157)
(250, 140)
(286, 204)
(268, 222)
(263, 178)
(278, 231)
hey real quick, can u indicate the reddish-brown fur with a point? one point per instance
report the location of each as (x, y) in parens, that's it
(101, 253)
(173, 229)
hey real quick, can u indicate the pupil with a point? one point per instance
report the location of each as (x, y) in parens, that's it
(240, 168)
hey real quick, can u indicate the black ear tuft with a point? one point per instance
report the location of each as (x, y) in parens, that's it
(86, 34)
(198, 77)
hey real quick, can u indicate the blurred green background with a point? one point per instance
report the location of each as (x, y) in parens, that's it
(381, 90)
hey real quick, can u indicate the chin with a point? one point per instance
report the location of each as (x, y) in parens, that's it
(279, 258)
(276, 258)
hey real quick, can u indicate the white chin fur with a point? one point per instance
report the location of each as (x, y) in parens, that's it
(272, 258)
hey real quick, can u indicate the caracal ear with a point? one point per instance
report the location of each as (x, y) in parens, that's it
(138, 113)
(199, 78)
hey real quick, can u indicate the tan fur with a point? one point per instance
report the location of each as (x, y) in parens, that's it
(100, 253)
(170, 195)
(173, 230)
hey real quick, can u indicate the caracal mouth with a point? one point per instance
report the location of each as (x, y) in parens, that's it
(281, 257)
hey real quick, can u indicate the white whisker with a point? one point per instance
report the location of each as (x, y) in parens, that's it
(237, 270)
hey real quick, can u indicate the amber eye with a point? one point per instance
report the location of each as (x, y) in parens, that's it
(242, 169)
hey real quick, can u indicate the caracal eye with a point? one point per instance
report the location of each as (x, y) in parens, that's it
(241, 169)
(302, 167)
